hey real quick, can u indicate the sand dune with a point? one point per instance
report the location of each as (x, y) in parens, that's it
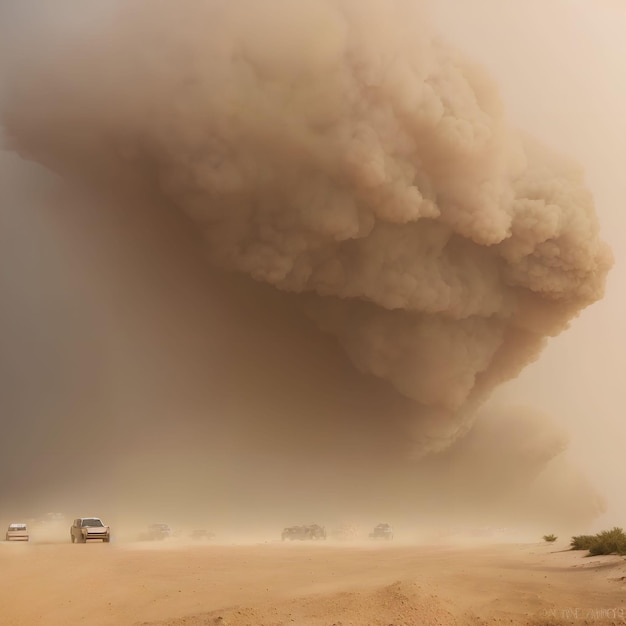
(272, 584)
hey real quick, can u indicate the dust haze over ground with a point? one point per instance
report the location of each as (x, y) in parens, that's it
(280, 253)
(309, 585)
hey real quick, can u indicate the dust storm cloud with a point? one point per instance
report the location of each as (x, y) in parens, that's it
(383, 248)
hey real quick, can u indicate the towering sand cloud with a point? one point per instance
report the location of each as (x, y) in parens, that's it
(339, 151)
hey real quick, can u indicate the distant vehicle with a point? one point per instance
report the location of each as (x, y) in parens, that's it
(382, 531)
(157, 532)
(202, 534)
(17, 532)
(303, 533)
(85, 528)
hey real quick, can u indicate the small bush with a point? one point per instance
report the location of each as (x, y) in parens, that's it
(550, 538)
(607, 542)
(582, 542)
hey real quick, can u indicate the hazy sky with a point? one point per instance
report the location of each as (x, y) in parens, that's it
(560, 67)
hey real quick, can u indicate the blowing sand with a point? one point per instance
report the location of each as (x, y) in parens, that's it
(272, 584)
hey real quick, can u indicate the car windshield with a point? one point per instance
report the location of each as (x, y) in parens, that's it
(17, 527)
(91, 521)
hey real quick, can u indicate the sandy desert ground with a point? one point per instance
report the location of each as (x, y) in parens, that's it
(272, 584)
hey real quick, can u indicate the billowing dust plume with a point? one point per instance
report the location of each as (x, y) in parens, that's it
(335, 150)
(364, 175)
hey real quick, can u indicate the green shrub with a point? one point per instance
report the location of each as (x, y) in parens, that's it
(607, 542)
(582, 542)
(550, 538)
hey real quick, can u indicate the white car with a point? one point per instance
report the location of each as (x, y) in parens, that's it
(17, 532)
(85, 528)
